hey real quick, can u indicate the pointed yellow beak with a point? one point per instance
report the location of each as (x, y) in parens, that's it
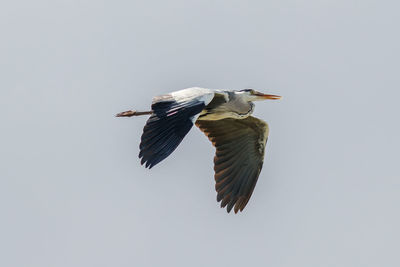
(266, 96)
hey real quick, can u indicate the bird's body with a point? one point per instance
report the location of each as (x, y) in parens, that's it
(225, 117)
(225, 105)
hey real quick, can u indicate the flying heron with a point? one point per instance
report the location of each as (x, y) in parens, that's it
(224, 117)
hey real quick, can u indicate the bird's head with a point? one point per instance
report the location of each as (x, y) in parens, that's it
(253, 95)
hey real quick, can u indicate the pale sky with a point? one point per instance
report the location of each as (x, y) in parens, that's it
(73, 192)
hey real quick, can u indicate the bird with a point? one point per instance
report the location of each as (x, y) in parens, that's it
(224, 116)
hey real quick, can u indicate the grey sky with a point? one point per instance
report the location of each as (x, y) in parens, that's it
(72, 191)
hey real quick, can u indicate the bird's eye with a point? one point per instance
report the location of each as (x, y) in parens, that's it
(248, 91)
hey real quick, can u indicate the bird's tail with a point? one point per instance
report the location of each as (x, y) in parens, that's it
(131, 113)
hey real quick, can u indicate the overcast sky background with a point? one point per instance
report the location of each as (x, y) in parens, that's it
(72, 191)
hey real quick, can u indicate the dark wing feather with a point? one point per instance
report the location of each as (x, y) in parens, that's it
(171, 120)
(240, 146)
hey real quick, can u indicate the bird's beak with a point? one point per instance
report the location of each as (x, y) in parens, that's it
(266, 96)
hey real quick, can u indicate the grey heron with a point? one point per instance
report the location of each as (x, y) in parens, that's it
(224, 116)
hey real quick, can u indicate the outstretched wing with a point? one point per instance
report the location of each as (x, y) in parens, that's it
(173, 116)
(240, 146)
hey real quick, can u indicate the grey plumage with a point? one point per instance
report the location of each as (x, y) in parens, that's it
(224, 117)
(238, 159)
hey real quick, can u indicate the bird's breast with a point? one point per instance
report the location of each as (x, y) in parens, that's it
(226, 111)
